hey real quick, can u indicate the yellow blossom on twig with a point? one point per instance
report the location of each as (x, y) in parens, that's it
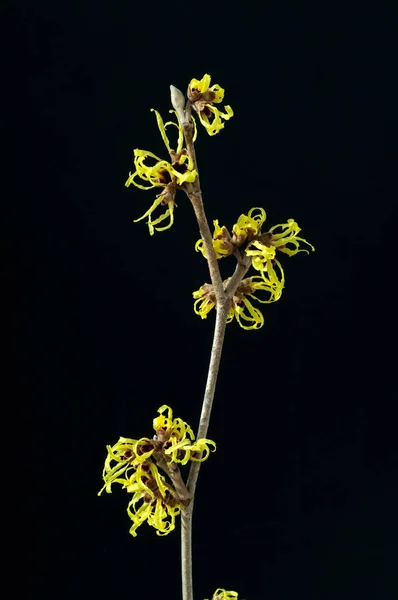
(161, 173)
(152, 499)
(245, 229)
(221, 242)
(205, 300)
(261, 247)
(242, 309)
(248, 226)
(153, 503)
(203, 98)
(134, 465)
(127, 454)
(263, 259)
(288, 235)
(178, 440)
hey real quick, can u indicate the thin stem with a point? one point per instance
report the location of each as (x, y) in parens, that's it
(197, 203)
(186, 551)
(215, 359)
(241, 269)
(194, 193)
(186, 512)
(223, 301)
(214, 365)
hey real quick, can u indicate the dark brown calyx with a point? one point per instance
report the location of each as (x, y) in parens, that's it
(128, 454)
(266, 239)
(196, 97)
(144, 448)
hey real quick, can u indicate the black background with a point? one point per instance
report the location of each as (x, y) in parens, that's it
(300, 499)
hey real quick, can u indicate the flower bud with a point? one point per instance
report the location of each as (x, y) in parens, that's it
(178, 102)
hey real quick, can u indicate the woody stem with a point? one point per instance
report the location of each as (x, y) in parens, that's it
(223, 302)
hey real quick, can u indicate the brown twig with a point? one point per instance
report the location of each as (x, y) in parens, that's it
(241, 269)
(223, 301)
(174, 473)
(194, 193)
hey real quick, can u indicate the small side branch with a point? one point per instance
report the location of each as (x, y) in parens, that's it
(241, 269)
(174, 473)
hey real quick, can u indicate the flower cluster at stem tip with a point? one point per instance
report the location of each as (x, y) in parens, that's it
(179, 170)
(248, 239)
(135, 465)
(203, 98)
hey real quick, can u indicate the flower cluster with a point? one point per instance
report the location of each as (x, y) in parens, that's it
(134, 464)
(168, 175)
(171, 175)
(203, 97)
(178, 440)
(241, 309)
(247, 238)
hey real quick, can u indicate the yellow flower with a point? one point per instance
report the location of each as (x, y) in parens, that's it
(249, 225)
(153, 498)
(127, 454)
(198, 89)
(170, 426)
(131, 463)
(242, 309)
(288, 235)
(159, 515)
(178, 439)
(205, 300)
(245, 229)
(203, 97)
(221, 242)
(248, 228)
(221, 594)
(262, 250)
(245, 312)
(263, 258)
(168, 175)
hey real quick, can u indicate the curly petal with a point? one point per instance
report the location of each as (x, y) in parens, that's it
(261, 256)
(221, 242)
(169, 213)
(200, 86)
(204, 302)
(250, 224)
(288, 235)
(215, 124)
(248, 316)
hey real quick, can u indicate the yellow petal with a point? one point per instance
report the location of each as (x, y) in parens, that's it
(180, 132)
(195, 130)
(219, 93)
(168, 214)
(201, 86)
(162, 129)
(255, 316)
(150, 210)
